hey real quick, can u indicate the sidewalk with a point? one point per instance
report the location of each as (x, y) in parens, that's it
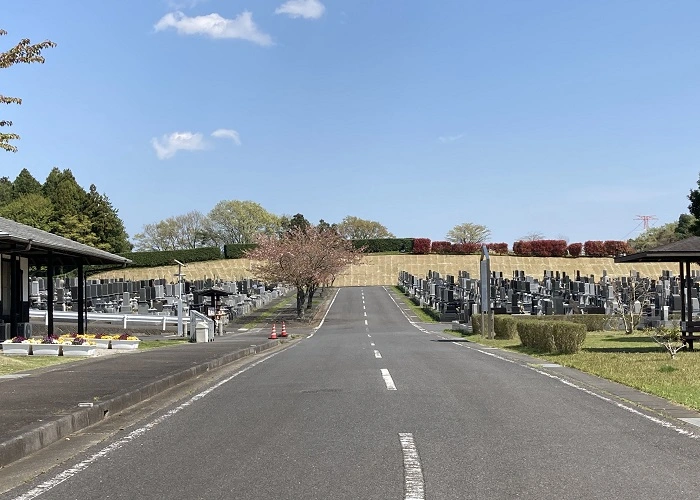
(40, 407)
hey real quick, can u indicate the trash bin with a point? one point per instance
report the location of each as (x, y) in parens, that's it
(201, 330)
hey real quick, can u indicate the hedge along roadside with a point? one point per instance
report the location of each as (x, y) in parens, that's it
(558, 337)
(504, 326)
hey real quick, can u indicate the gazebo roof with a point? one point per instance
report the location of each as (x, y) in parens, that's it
(212, 292)
(687, 250)
(36, 245)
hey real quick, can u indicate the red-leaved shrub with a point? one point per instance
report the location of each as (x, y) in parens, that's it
(441, 247)
(466, 248)
(575, 249)
(498, 248)
(615, 248)
(594, 248)
(421, 246)
(523, 248)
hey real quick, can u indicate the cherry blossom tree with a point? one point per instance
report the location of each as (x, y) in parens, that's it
(305, 258)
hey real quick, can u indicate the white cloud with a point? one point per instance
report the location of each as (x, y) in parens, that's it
(168, 145)
(450, 138)
(308, 9)
(215, 26)
(224, 133)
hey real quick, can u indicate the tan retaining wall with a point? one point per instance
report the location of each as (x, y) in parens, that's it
(384, 269)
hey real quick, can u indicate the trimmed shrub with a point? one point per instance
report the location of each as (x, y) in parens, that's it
(441, 247)
(592, 322)
(238, 250)
(575, 249)
(548, 248)
(615, 248)
(568, 337)
(476, 324)
(421, 246)
(466, 248)
(559, 337)
(376, 245)
(594, 248)
(535, 335)
(505, 327)
(166, 258)
(497, 248)
(522, 248)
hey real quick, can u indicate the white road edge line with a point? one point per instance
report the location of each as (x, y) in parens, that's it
(377, 354)
(132, 436)
(414, 484)
(324, 316)
(663, 423)
(388, 380)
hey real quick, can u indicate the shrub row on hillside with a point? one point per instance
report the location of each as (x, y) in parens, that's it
(418, 246)
(167, 258)
(377, 245)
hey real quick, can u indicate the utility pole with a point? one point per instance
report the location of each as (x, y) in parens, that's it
(179, 275)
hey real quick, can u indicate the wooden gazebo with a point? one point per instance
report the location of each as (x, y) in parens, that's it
(685, 252)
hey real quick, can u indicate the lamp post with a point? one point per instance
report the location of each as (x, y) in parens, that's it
(179, 300)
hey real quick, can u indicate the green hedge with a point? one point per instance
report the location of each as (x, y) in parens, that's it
(593, 322)
(377, 245)
(167, 258)
(559, 337)
(505, 327)
(237, 250)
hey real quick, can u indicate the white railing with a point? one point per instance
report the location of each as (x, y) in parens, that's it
(124, 319)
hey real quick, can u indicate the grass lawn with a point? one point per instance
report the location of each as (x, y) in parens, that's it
(633, 360)
(13, 364)
(422, 315)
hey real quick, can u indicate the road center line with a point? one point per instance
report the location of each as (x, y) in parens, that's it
(388, 380)
(377, 354)
(414, 485)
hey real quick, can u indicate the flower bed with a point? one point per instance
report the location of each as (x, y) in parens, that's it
(17, 346)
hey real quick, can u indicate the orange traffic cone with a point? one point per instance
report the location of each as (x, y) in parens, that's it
(273, 334)
(284, 330)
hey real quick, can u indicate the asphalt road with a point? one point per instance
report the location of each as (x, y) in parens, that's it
(374, 406)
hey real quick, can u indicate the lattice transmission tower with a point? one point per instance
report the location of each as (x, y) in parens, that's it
(646, 219)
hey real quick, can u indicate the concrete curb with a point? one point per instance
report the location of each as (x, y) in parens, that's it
(42, 436)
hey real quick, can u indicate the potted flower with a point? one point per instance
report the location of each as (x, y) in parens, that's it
(17, 346)
(78, 346)
(125, 341)
(48, 346)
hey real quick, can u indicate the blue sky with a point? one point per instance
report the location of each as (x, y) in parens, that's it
(566, 118)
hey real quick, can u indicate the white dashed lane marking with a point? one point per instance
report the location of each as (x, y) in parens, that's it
(414, 484)
(377, 354)
(388, 380)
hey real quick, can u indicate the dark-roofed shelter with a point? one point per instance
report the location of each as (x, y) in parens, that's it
(22, 246)
(685, 252)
